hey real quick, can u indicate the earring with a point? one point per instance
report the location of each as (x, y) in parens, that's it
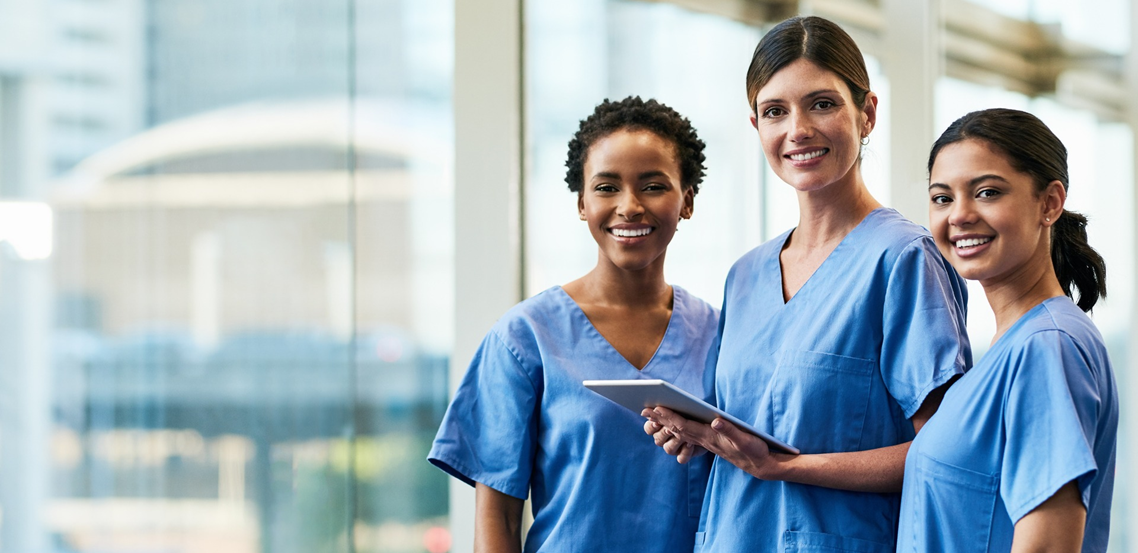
(865, 141)
(1048, 219)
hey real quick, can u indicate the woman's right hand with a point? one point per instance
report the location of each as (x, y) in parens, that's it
(672, 444)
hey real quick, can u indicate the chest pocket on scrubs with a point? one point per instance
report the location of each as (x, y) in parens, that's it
(956, 498)
(819, 400)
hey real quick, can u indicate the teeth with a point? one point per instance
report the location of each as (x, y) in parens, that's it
(631, 233)
(811, 155)
(970, 242)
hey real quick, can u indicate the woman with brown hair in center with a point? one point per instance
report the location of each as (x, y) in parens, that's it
(837, 337)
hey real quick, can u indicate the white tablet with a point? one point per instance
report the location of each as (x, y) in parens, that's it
(636, 395)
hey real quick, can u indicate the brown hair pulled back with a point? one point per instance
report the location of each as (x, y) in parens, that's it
(818, 40)
(1032, 149)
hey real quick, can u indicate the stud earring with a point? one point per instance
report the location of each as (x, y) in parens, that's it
(1048, 219)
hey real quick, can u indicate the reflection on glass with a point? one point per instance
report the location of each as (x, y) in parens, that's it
(224, 282)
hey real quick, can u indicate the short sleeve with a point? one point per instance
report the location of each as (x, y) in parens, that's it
(1051, 413)
(489, 432)
(925, 340)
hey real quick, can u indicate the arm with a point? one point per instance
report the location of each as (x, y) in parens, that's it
(1056, 525)
(497, 521)
(876, 470)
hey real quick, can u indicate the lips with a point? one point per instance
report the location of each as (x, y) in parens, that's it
(972, 242)
(807, 155)
(631, 232)
(970, 246)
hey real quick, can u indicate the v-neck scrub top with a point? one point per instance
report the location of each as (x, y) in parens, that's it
(522, 423)
(840, 367)
(1038, 411)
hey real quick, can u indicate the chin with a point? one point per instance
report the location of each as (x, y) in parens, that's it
(970, 272)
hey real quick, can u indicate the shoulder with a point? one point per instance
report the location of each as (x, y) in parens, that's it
(1058, 323)
(534, 320)
(1058, 334)
(895, 236)
(693, 309)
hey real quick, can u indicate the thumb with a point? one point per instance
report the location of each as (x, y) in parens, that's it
(725, 430)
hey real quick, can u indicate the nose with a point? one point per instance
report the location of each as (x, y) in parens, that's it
(801, 126)
(630, 207)
(962, 213)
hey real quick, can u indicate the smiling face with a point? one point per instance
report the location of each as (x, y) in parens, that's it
(810, 127)
(633, 198)
(988, 220)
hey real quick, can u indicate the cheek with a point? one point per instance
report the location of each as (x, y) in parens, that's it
(768, 141)
(938, 227)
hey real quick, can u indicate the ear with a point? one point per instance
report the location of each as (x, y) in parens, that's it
(581, 205)
(870, 111)
(1054, 197)
(689, 203)
(754, 120)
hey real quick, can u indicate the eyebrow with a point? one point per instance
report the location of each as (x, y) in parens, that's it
(972, 182)
(641, 176)
(810, 95)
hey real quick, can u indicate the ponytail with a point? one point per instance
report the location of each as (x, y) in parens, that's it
(1076, 263)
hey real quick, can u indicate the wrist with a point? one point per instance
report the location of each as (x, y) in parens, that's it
(776, 466)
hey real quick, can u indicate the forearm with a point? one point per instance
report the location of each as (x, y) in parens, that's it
(497, 521)
(877, 470)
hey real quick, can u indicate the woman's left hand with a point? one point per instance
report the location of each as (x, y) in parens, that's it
(676, 433)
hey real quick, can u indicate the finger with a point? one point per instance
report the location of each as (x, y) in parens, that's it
(662, 436)
(651, 427)
(683, 428)
(736, 438)
(665, 416)
(686, 453)
(673, 446)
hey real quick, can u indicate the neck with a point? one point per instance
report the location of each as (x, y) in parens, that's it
(832, 212)
(1016, 294)
(610, 285)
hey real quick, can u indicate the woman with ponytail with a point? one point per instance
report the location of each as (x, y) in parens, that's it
(1020, 455)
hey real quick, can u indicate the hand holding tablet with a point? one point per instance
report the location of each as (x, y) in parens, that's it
(637, 395)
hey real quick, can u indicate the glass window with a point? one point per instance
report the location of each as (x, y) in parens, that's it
(225, 289)
(579, 53)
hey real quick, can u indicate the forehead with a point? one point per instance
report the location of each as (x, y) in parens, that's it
(969, 158)
(799, 77)
(625, 145)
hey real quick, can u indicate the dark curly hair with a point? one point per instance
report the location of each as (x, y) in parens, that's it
(636, 114)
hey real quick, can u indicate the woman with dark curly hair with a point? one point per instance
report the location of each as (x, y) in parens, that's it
(522, 423)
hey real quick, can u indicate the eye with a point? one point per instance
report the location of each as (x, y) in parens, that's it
(655, 186)
(773, 112)
(940, 199)
(824, 104)
(605, 187)
(988, 193)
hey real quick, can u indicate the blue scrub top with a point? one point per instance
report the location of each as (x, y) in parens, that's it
(840, 367)
(522, 423)
(1038, 411)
